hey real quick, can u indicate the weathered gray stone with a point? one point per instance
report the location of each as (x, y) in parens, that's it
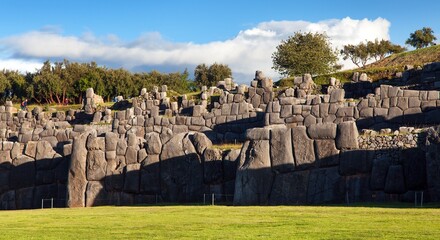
(201, 142)
(121, 147)
(379, 173)
(325, 186)
(16, 150)
(212, 166)
(290, 188)
(302, 148)
(414, 167)
(337, 95)
(181, 170)
(322, 131)
(111, 140)
(230, 164)
(258, 134)
(23, 173)
(77, 172)
(96, 165)
(131, 155)
(347, 134)
(150, 181)
(281, 153)
(254, 176)
(395, 182)
(95, 194)
(326, 153)
(132, 178)
(354, 162)
(153, 144)
(44, 151)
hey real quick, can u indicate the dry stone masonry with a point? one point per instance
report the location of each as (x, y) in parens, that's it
(298, 147)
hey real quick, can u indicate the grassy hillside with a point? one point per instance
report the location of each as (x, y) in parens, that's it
(222, 222)
(384, 69)
(416, 57)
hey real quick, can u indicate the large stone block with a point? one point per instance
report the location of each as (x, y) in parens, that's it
(254, 176)
(77, 172)
(23, 174)
(290, 188)
(153, 144)
(258, 134)
(114, 180)
(347, 135)
(337, 95)
(150, 175)
(379, 173)
(96, 165)
(414, 168)
(354, 162)
(181, 170)
(212, 166)
(200, 142)
(322, 131)
(326, 153)
(230, 164)
(325, 186)
(95, 194)
(131, 155)
(302, 148)
(132, 178)
(395, 181)
(281, 153)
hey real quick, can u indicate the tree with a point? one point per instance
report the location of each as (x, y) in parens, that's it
(380, 49)
(218, 72)
(421, 38)
(361, 53)
(304, 53)
(209, 76)
(201, 75)
(358, 54)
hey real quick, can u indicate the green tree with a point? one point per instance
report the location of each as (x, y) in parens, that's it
(218, 72)
(304, 53)
(358, 54)
(380, 49)
(201, 75)
(421, 38)
(209, 76)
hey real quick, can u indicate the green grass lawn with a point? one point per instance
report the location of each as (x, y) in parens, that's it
(222, 222)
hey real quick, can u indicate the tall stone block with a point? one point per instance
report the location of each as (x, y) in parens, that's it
(77, 180)
(254, 176)
(302, 148)
(281, 153)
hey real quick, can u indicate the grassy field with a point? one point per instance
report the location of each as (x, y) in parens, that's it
(222, 222)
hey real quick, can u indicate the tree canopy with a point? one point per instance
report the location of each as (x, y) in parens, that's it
(54, 82)
(360, 54)
(304, 53)
(209, 76)
(421, 38)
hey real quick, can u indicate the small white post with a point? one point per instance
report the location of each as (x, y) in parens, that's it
(212, 199)
(204, 199)
(421, 200)
(42, 203)
(51, 203)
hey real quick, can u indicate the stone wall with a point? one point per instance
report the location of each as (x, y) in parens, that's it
(324, 164)
(31, 172)
(107, 169)
(389, 107)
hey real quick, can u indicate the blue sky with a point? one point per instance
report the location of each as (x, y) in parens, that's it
(174, 35)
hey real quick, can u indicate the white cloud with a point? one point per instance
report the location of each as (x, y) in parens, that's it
(250, 50)
(20, 65)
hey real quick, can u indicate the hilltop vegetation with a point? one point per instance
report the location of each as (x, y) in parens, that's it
(382, 69)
